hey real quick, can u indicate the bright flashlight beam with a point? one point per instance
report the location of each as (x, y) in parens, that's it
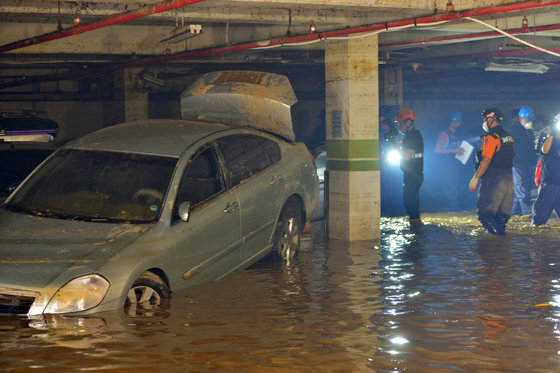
(394, 157)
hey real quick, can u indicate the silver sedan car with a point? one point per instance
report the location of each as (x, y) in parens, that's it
(132, 212)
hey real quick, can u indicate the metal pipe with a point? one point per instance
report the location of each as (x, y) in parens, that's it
(445, 17)
(481, 35)
(287, 40)
(335, 33)
(104, 22)
(496, 54)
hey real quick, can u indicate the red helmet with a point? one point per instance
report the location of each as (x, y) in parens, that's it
(405, 114)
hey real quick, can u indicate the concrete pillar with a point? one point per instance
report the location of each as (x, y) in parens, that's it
(352, 105)
(135, 96)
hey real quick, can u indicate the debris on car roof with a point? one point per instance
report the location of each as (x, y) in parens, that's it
(242, 98)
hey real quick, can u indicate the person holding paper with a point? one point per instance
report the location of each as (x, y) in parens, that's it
(524, 161)
(495, 195)
(447, 147)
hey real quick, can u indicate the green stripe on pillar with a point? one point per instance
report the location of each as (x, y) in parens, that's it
(353, 165)
(349, 149)
(353, 155)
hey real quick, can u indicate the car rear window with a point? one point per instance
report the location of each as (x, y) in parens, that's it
(271, 148)
(246, 155)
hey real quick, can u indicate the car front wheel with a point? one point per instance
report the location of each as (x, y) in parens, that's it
(148, 290)
(288, 233)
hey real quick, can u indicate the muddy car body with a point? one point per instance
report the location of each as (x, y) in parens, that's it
(134, 211)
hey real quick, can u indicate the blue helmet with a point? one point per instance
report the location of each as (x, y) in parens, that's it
(387, 112)
(455, 116)
(527, 113)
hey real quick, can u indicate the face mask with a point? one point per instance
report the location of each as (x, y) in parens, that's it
(402, 128)
(485, 126)
(528, 125)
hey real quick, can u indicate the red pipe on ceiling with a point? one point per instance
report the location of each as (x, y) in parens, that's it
(445, 17)
(343, 32)
(286, 41)
(104, 22)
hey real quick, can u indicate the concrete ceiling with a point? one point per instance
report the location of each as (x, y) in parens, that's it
(456, 46)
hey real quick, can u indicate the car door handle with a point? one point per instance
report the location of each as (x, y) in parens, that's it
(230, 207)
(275, 179)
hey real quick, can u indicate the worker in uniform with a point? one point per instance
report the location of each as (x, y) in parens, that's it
(524, 161)
(495, 196)
(447, 146)
(548, 197)
(412, 163)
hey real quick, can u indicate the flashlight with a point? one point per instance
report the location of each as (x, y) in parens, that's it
(394, 157)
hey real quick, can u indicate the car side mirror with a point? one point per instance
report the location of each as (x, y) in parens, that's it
(184, 211)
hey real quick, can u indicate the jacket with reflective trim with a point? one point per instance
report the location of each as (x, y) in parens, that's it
(503, 155)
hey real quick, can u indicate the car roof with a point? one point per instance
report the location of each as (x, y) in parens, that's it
(165, 137)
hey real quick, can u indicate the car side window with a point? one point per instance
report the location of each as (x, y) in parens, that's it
(201, 179)
(271, 148)
(245, 155)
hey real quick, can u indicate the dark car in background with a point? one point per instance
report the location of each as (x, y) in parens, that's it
(27, 137)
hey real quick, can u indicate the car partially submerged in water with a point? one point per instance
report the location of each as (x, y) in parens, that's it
(132, 212)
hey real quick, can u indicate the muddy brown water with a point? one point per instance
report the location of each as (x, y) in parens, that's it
(439, 297)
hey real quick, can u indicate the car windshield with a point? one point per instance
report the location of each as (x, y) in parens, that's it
(97, 186)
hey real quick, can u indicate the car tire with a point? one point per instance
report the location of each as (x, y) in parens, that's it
(287, 236)
(147, 289)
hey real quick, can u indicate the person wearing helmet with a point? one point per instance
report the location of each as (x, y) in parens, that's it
(524, 161)
(495, 196)
(412, 163)
(386, 118)
(447, 146)
(548, 197)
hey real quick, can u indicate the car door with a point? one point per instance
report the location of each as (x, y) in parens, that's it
(208, 244)
(252, 167)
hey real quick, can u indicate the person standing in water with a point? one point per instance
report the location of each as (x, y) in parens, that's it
(447, 146)
(495, 196)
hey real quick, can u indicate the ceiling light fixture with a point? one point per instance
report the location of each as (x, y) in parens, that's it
(312, 28)
(77, 18)
(449, 7)
(535, 68)
(192, 31)
(153, 79)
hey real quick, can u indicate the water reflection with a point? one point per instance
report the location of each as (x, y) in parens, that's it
(440, 296)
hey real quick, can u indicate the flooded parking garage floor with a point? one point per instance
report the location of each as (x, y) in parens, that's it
(442, 296)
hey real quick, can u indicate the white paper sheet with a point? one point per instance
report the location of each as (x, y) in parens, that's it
(468, 148)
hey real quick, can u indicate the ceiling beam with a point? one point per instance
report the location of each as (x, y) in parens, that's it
(80, 28)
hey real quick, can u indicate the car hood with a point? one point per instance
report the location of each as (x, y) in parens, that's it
(34, 251)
